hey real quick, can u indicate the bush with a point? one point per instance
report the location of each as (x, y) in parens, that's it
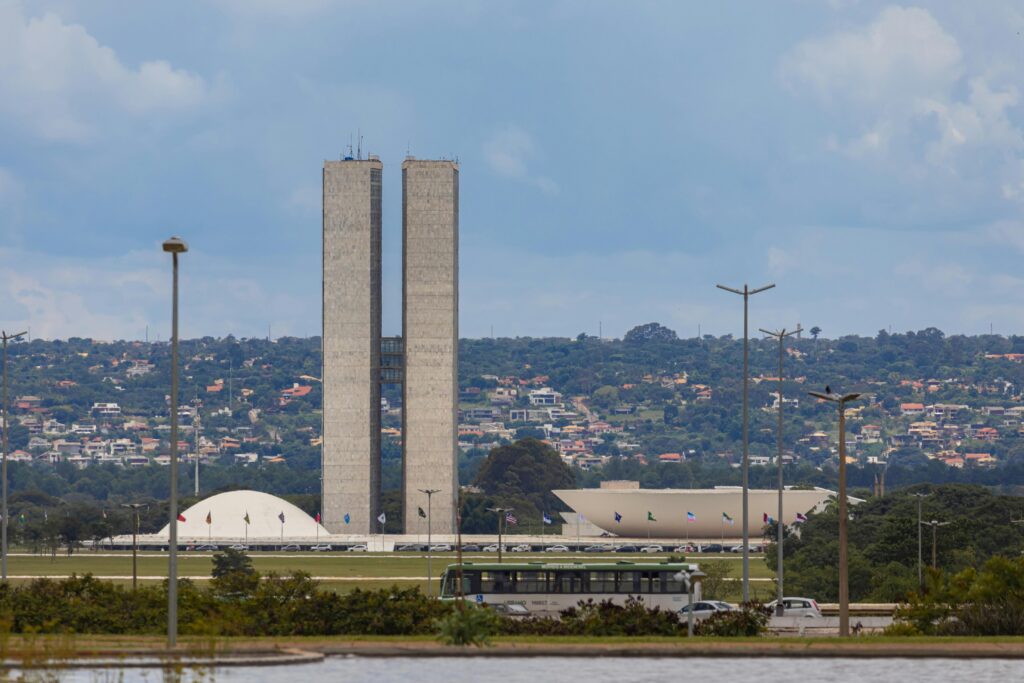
(468, 626)
(589, 618)
(750, 620)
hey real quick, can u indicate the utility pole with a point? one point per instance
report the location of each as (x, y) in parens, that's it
(934, 524)
(844, 568)
(746, 293)
(135, 507)
(430, 575)
(3, 526)
(500, 512)
(920, 559)
(781, 336)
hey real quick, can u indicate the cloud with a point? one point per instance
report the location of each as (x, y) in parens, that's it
(507, 153)
(899, 84)
(60, 83)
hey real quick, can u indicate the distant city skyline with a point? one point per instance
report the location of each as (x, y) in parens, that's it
(617, 161)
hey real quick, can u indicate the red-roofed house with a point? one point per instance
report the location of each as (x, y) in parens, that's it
(911, 408)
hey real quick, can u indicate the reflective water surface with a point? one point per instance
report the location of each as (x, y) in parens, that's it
(577, 670)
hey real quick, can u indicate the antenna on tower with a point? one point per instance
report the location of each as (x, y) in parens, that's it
(359, 145)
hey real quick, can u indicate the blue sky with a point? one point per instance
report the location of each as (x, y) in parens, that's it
(618, 159)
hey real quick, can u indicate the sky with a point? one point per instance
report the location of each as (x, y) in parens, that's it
(618, 159)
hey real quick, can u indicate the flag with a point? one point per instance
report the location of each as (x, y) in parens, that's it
(650, 516)
(317, 518)
(801, 517)
(726, 519)
(510, 519)
(768, 519)
(246, 518)
(421, 513)
(690, 517)
(547, 520)
(281, 516)
(104, 514)
(618, 518)
(209, 517)
(181, 517)
(348, 518)
(382, 518)
(46, 517)
(21, 518)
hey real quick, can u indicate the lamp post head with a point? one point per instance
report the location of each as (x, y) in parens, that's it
(175, 245)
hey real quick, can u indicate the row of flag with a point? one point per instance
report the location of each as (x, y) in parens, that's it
(726, 519)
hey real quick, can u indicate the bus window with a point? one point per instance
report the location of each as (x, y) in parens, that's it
(531, 582)
(567, 582)
(495, 582)
(449, 583)
(602, 582)
(627, 582)
(670, 584)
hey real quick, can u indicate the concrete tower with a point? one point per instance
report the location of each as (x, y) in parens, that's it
(351, 345)
(430, 325)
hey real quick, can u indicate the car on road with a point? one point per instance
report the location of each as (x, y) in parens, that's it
(361, 548)
(627, 549)
(711, 548)
(239, 546)
(739, 548)
(652, 549)
(521, 548)
(492, 548)
(597, 549)
(321, 547)
(705, 608)
(471, 548)
(440, 548)
(291, 548)
(206, 548)
(556, 549)
(688, 548)
(411, 547)
(796, 607)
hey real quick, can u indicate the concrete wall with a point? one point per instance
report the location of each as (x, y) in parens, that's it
(351, 345)
(430, 311)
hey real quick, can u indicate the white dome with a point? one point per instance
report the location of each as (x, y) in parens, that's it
(227, 512)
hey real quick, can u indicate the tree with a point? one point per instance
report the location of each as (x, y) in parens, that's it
(650, 332)
(528, 469)
(815, 331)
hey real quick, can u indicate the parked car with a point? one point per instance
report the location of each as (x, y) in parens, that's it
(597, 549)
(239, 546)
(711, 548)
(321, 547)
(556, 549)
(705, 608)
(411, 547)
(206, 548)
(471, 548)
(492, 548)
(652, 549)
(361, 548)
(440, 548)
(510, 610)
(796, 607)
(627, 549)
(291, 547)
(688, 548)
(521, 548)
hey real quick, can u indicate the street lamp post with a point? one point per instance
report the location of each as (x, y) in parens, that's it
(781, 336)
(920, 558)
(173, 246)
(690, 578)
(430, 576)
(844, 578)
(934, 524)
(135, 507)
(746, 293)
(3, 524)
(500, 512)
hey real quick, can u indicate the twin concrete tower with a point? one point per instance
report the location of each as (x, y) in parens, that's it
(357, 360)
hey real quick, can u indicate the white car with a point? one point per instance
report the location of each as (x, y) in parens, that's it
(705, 608)
(522, 548)
(357, 549)
(441, 548)
(321, 547)
(652, 549)
(556, 549)
(493, 548)
(796, 607)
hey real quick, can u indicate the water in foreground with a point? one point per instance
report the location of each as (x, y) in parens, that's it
(591, 670)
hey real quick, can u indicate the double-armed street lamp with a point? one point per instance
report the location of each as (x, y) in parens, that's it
(844, 579)
(3, 523)
(173, 246)
(501, 512)
(920, 560)
(781, 336)
(934, 524)
(135, 507)
(690, 579)
(746, 293)
(430, 576)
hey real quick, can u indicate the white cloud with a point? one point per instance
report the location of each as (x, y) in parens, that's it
(508, 152)
(899, 82)
(59, 82)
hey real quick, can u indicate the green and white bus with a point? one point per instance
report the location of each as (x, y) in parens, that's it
(546, 587)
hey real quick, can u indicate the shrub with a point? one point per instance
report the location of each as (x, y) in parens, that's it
(468, 626)
(750, 620)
